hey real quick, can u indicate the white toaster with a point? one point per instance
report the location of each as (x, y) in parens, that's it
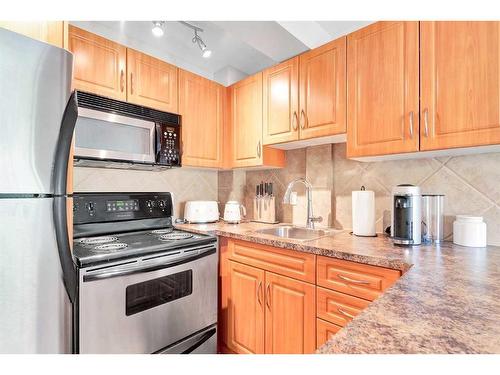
(201, 211)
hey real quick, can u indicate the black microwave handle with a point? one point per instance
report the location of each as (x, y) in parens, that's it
(159, 135)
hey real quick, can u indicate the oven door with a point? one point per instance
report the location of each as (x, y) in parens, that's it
(103, 135)
(147, 305)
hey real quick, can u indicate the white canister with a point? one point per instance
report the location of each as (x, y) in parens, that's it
(363, 212)
(469, 231)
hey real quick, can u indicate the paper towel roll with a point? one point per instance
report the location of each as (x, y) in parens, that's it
(363, 213)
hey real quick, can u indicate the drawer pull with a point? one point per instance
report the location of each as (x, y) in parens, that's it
(342, 312)
(354, 281)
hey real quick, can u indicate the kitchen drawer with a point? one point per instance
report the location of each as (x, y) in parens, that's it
(360, 280)
(325, 331)
(300, 266)
(338, 308)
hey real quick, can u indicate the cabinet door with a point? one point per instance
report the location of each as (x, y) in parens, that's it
(99, 64)
(47, 31)
(200, 104)
(460, 83)
(247, 121)
(383, 97)
(245, 309)
(323, 90)
(281, 99)
(152, 82)
(290, 315)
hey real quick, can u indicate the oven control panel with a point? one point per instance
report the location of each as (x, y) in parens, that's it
(169, 145)
(109, 207)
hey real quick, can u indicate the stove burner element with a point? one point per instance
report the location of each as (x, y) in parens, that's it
(110, 247)
(175, 236)
(162, 231)
(98, 240)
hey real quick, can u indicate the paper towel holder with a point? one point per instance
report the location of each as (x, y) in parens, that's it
(363, 189)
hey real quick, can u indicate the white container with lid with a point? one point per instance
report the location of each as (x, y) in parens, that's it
(469, 231)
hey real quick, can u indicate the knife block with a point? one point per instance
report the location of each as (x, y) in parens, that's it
(264, 210)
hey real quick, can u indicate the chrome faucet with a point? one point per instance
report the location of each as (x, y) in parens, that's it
(286, 200)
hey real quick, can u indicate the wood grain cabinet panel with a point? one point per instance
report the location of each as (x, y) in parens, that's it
(360, 280)
(460, 83)
(52, 32)
(290, 263)
(323, 90)
(338, 308)
(290, 316)
(245, 309)
(201, 107)
(247, 121)
(99, 64)
(325, 331)
(281, 100)
(151, 82)
(382, 89)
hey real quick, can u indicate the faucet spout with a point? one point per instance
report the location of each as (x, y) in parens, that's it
(311, 219)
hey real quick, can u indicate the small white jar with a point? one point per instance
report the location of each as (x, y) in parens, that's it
(469, 231)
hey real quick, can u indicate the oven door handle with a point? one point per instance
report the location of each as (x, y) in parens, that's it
(150, 267)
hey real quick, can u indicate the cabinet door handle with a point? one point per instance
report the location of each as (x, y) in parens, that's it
(411, 125)
(122, 80)
(353, 281)
(258, 149)
(295, 121)
(132, 83)
(345, 313)
(268, 296)
(426, 122)
(259, 291)
(302, 116)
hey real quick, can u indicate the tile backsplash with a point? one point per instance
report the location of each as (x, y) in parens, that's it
(471, 185)
(185, 183)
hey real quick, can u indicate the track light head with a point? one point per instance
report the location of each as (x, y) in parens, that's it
(158, 28)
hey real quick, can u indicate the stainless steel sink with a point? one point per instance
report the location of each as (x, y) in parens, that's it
(295, 233)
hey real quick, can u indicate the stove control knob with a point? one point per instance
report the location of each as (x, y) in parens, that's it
(149, 204)
(161, 204)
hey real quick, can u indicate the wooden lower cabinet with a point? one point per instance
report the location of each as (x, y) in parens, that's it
(290, 316)
(325, 331)
(269, 313)
(245, 309)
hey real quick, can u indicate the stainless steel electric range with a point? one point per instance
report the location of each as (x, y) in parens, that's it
(144, 287)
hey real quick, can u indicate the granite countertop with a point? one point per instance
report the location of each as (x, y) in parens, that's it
(447, 301)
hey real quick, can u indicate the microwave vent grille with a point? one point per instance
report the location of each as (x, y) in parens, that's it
(93, 101)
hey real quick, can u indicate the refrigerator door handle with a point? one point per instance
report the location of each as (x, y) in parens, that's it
(60, 175)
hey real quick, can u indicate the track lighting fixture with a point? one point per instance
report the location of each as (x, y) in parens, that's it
(157, 29)
(205, 52)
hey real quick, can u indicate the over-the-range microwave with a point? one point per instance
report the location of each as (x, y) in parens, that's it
(114, 134)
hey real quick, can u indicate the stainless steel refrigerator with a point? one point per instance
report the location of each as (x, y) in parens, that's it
(37, 273)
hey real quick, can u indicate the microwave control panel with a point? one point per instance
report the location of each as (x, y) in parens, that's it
(169, 153)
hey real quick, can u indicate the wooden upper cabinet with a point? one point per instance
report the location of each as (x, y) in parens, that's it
(323, 90)
(99, 64)
(290, 316)
(247, 121)
(245, 309)
(53, 32)
(281, 100)
(460, 83)
(151, 82)
(382, 89)
(201, 107)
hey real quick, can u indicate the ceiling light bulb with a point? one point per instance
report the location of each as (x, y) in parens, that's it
(157, 29)
(207, 53)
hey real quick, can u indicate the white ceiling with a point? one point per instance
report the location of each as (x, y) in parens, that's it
(239, 48)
